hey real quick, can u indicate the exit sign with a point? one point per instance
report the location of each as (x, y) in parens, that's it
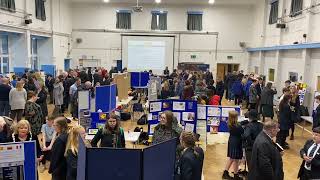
(193, 56)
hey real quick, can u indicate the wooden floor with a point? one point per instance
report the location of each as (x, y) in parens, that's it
(215, 155)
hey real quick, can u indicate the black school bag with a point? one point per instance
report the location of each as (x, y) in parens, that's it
(143, 120)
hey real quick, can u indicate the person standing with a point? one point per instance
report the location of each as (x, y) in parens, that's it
(316, 117)
(73, 93)
(4, 97)
(310, 166)
(284, 121)
(42, 101)
(58, 163)
(17, 100)
(189, 166)
(267, 96)
(220, 89)
(33, 113)
(49, 84)
(259, 88)
(295, 109)
(235, 152)
(71, 152)
(237, 91)
(253, 94)
(251, 131)
(58, 95)
(266, 159)
(166, 72)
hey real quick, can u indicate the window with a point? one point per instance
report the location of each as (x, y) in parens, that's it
(256, 70)
(194, 21)
(296, 7)
(34, 54)
(273, 16)
(123, 20)
(159, 20)
(40, 10)
(4, 54)
(271, 75)
(8, 5)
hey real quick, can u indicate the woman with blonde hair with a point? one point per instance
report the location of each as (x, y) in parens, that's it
(71, 152)
(22, 132)
(17, 100)
(235, 152)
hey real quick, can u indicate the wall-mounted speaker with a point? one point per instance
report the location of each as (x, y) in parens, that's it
(281, 26)
(28, 21)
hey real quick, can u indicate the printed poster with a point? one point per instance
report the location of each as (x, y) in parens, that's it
(201, 112)
(179, 106)
(214, 111)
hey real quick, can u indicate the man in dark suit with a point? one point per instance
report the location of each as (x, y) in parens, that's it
(251, 131)
(310, 153)
(266, 160)
(316, 116)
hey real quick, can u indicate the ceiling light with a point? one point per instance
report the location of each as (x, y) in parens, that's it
(158, 1)
(211, 1)
(106, 1)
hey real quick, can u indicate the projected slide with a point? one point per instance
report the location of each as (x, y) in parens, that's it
(146, 55)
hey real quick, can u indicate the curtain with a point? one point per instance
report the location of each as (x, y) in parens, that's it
(273, 16)
(194, 22)
(161, 24)
(123, 20)
(40, 10)
(8, 5)
(296, 7)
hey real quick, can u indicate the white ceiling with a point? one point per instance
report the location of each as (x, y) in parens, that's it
(220, 2)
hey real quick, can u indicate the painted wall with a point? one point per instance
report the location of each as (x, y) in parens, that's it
(222, 19)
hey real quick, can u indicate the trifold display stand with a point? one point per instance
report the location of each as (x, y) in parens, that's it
(18, 161)
(154, 88)
(123, 81)
(106, 98)
(155, 162)
(84, 107)
(216, 116)
(139, 79)
(184, 110)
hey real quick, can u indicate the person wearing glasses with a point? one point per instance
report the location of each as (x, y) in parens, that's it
(310, 153)
(167, 128)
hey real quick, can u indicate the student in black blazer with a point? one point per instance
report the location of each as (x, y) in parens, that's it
(191, 161)
(310, 153)
(58, 165)
(284, 121)
(316, 117)
(266, 159)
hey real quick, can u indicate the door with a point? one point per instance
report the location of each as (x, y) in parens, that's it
(221, 69)
(66, 64)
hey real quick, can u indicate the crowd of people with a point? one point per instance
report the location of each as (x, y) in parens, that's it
(24, 99)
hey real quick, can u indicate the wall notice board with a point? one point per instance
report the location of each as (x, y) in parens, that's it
(184, 110)
(216, 116)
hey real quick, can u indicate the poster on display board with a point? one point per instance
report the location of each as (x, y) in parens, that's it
(184, 111)
(302, 90)
(84, 106)
(18, 161)
(216, 116)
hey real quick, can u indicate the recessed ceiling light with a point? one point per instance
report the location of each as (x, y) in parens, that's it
(106, 1)
(158, 1)
(211, 1)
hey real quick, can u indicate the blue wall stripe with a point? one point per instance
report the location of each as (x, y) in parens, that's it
(286, 47)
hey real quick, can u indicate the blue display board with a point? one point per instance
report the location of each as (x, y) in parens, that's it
(115, 164)
(164, 154)
(139, 79)
(28, 166)
(19, 71)
(216, 116)
(98, 119)
(81, 163)
(184, 110)
(106, 98)
(49, 69)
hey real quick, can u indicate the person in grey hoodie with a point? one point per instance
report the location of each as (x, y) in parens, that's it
(58, 93)
(17, 101)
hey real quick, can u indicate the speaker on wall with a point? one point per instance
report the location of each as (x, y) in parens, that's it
(281, 26)
(28, 21)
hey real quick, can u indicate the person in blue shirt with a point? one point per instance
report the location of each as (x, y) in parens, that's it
(14, 81)
(237, 91)
(246, 90)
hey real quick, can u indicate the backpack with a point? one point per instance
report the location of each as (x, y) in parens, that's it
(144, 137)
(143, 120)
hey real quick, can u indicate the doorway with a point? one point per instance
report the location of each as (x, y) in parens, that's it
(224, 69)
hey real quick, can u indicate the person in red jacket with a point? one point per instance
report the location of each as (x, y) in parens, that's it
(213, 98)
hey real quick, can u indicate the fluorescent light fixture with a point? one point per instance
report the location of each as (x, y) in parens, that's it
(211, 1)
(105, 1)
(158, 1)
